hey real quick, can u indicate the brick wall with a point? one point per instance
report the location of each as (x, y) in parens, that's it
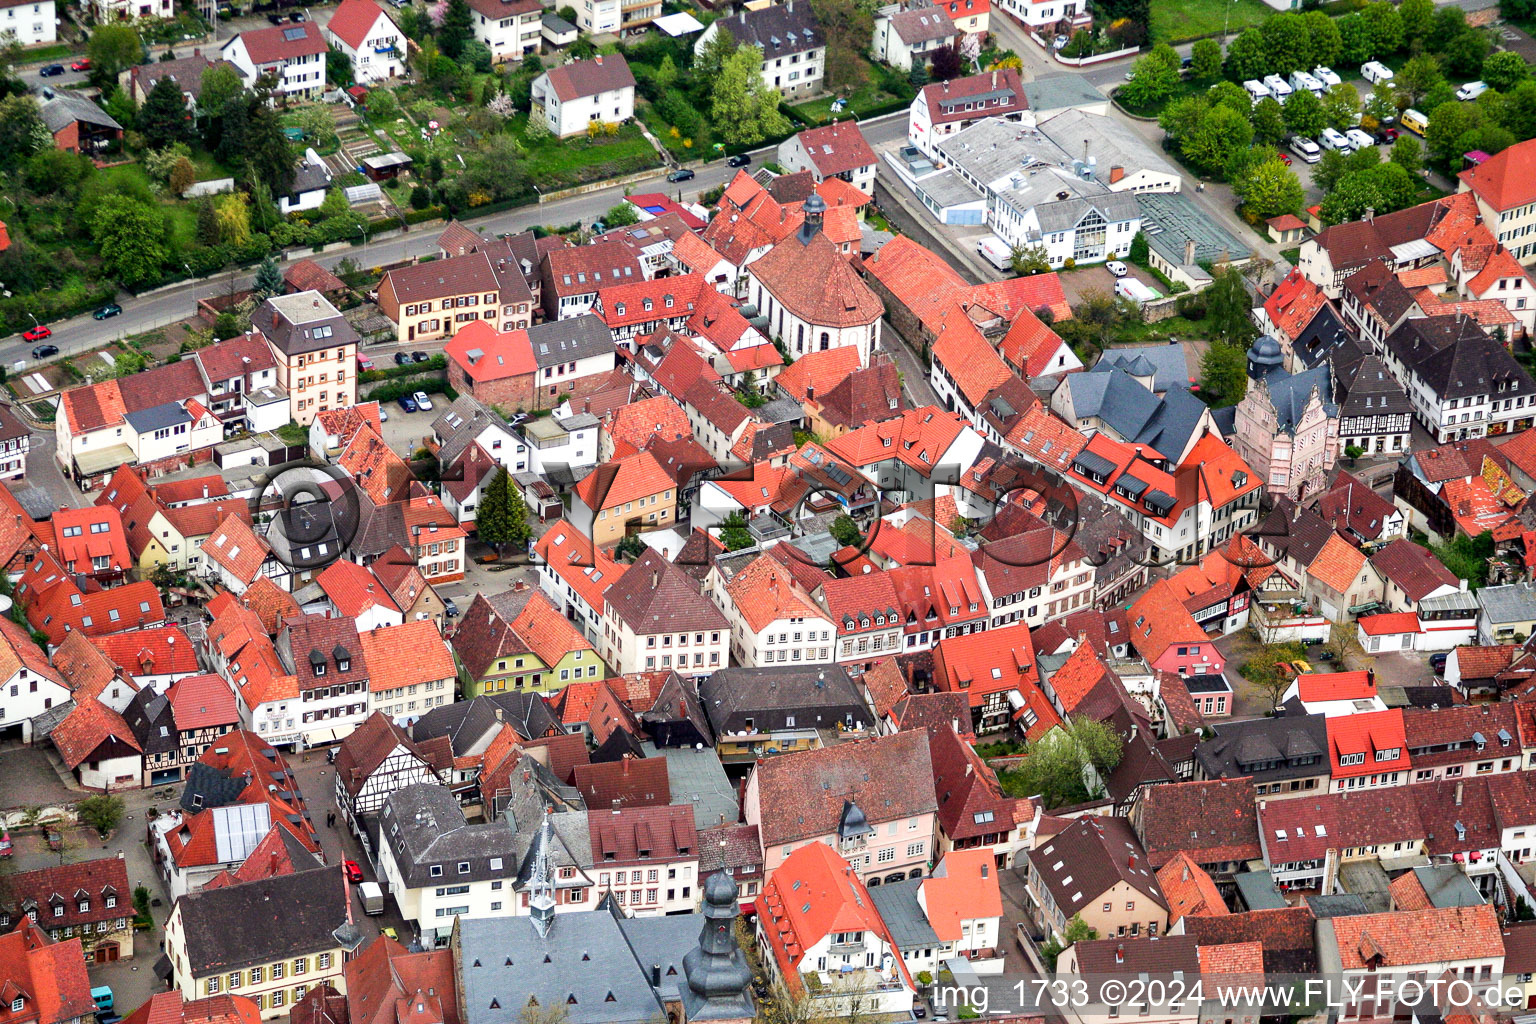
(510, 393)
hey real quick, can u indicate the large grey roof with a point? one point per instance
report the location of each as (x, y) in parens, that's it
(779, 30)
(66, 108)
(1060, 91)
(425, 826)
(1290, 394)
(565, 341)
(282, 916)
(903, 915)
(468, 721)
(1515, 602)
(303, 322)
(698, 779)
(1133, 413)
(1111, 142)
(1171, 369)
(1169, 218)
(812, 692)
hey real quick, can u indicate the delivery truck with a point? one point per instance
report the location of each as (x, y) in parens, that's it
(372, 897)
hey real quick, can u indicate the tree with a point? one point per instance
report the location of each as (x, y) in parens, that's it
(496, 521)
(1340, 105)
(734, 533)
(1418, 18)
(268, 152)
(1061, 764)
(234, 214)
(475, 56)
(1354, 40)
(1205, 60)
(1304, 113)
(1408, 154)
(129, 234)
(1465, 52)
(1230, 94)
(1141, 249)
(269, 278)
(1247, 56)
(1286, 45)
(22, 131)
(101, 812)
(1327, 42)
(1224, 373)
(1030, 259)
(948, 63)
(221, 86)
(1269, 189)
(1447, 123)
(1263, 669)
(1229, 309)
(1383, 26)
(1217, 138)
(207, 223)
(183, 176)
(457, 28)
(621, 215)
(1268, 121)
(113, 49)
(744, 110)
(847, 26)
(1383, 188)
(1077, 930)
(163, 118)
(711, 60)
(1505, 70)
(846, 532)
(1418, 76)
(317, 123)
(1152, 82)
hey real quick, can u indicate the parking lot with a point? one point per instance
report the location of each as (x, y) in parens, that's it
(1083, 280)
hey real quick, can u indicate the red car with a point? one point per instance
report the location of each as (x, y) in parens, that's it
(1285, 158)
(354, 873)
(37, 333)
(83, 64)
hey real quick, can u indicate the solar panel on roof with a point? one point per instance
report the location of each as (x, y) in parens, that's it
(293, 34)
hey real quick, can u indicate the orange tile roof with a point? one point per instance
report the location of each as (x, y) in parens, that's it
(1411, 937)
(77, 550)
(1500, 265)
(1389, 623)
(1337, 564)
(86, 728)
(1421, 277)
(916, 276)
(163, 650)
(813, 280)
(1045, 438)
(1189, 890)
(353, 589)
(967, 357)
(1325, 686)
(548, 634)
(1159, 620)
(570, 555)
(1014, 295)
(406, 654)
(383, 475)
(1078, 676)
(1231, 958)
(203, 702)
(1507, 179)
(1031, 347)
(1293, 304)
(963, 887)
(270, 602)
(638, 422)
(1366, 733)
(818, 371)
(235, 546)
(343, 423)
(613, 484)
(764, 591)
(1408, 892)
(918, 437)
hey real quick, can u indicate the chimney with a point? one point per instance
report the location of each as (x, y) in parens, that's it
(655, 975)
(1189, 251)
(1120, 953)
(274, 318)
(1370, 679)
(1370, 215)
(810, 393)
(994, 82)
(1115, 174)
(1130, 862)
(599, 59)
(655, 579)
(1458, 793)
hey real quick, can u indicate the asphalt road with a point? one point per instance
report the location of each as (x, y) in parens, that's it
(82, 333)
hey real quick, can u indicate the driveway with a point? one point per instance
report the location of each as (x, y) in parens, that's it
(32, 780)
(1080, 281)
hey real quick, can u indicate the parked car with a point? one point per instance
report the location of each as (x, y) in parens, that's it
(681, 174)
(49, 70)
(383, 415)
(419, 357)
(402, 358)
(364, 364)
(354, 872)
(1359, 139)
(422, 401)
(48, 92)
(1306, 149)
(83, 64)
(44, 351)
(276, 18)
(111, 309)
(1117, 268)
(449, 608)
(1331, 139)
(739, 160)
(1471, 91)
(1323, 73)
(1285, 158)
(407, 403)
(1437, 662)
(6, 849)
(37, 333)
(1387, 134)
(298, 16)
(1375, 72)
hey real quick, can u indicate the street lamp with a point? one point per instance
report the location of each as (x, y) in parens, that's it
(363, 227)
(1225, 24)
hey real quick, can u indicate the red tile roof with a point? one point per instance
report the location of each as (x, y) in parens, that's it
(1293, 304)
(162, 650)
(406, 655)
(837, 148)
(1389, 623)
(1159, 621)
(85, 729)
(48, 976)
(202, 702)
(1213, 822)
(486, 354)
(941, 97)
(1416, 937)
(1190, 891)
(815, 282)
(353, 589)
(615, 483)
(1365, 734)
(640, 834)
(630, 782)
(1326, 686)
(352, 20)
(1507, 179)
(283, 43)
(235, 546)
(603, 73)
(817, 372)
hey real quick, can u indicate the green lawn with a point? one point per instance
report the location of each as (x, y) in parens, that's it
(558, 163)
(868, 96)
(1176, 21)
(697, 147)
(1185, 88)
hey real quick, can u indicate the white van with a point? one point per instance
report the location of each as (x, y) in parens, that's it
(1256, 89)
(1375, 72)
(1359, 139)
(1278, 86)
(995, 251)
(1323, 73)
(1331, 139)
(1130, 288)
(1471, 91)
(1302, 80)
(1306, 149)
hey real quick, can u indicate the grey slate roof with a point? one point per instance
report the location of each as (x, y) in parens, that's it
(1447, 885)
(1133, 413)
(697, 778)
(903, 915)
(565, 341)
(1061, 91)
(282, 916)
(149, 718)
(468, 721)
(1514, 602)
(66, 108)
(779, 30)
(1455, 358)
(1170, 369)
(302, 322)
(1111, 142)
(1287, 743)
(1290, 394)
(157, 417)
(209, 787)
(818, 696)
(425, 827)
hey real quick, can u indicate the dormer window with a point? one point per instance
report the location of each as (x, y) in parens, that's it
(85, 906)
(16, 1004)
(58, 910)
(320, 669)
(344, 665)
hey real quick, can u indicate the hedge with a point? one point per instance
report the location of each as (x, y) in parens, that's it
(396, 389)
(436, 363)
(429, 213)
